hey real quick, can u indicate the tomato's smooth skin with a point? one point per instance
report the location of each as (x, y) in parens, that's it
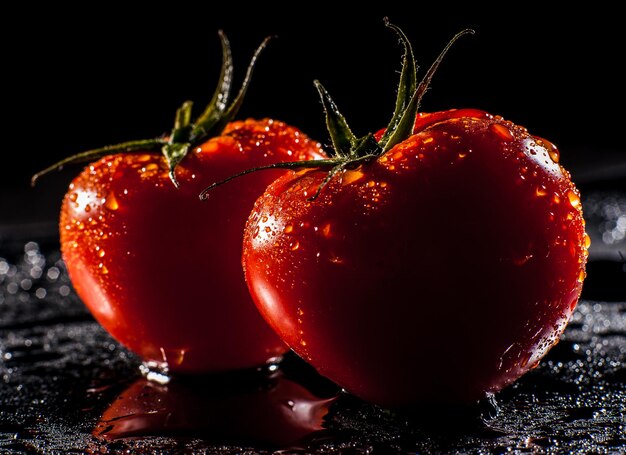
(160, 269)
(440, 272)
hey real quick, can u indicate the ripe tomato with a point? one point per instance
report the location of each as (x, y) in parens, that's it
(438, 268)
(160, 270)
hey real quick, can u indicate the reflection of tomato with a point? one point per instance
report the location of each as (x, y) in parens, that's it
(275, 411)
(159, 269)
(441, 268)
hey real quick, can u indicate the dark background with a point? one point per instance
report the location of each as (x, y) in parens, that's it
(82, 78)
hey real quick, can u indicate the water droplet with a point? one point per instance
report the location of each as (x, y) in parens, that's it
(550, 147)
(293, 246)
(101, 253)
(351, 176)
(326, 230)
(556, 198)
(581, 276)
(335, 259)
(522, 260)
(541, 191)
(87, 208)
(288, 229)
(572, 305)
(502, 131)
(574, 200)
(587, 240)
(268, 229)
(264, 219)
(554, 155)
(111, 202)
(73, 197)
(462, 155)
(428, 140)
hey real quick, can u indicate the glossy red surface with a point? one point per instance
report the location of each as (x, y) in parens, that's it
(160, 269)
(442, 271)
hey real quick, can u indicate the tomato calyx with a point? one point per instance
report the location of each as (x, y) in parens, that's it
(349, 151)
(185, 134)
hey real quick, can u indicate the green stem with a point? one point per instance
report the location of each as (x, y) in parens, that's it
(350, 150)
(182, 123)
(335, 164)
(146, 145)
(185, 135)
(311, 164)
(405, 126)
(233, 109)
(219, 102)
(177, 147)
(341, 135)
(406, 86)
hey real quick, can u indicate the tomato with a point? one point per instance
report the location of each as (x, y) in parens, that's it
(440, 267)
(161, 270)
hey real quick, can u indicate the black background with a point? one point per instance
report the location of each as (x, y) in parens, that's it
(89, 76)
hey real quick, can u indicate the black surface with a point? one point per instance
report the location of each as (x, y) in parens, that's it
(61, 373)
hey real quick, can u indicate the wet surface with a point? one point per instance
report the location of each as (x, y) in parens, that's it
(67, 387)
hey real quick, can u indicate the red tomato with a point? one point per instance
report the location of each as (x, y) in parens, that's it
(161, 270)
(444, 269)
(440, 269)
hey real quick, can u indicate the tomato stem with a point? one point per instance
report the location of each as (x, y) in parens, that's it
(341, 135)
(348, 150)
(404, 127)
(406, 86)
(219, 102)
(294, 165)
(185, 135)
(145, 145)
(229, 113)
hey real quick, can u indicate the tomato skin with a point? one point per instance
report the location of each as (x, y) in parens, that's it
(442, 271)
(160, 269)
